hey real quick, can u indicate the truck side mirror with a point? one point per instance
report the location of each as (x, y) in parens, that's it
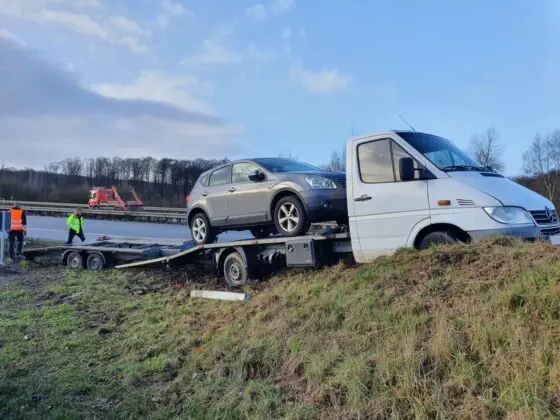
(406, 168)
(256, 176)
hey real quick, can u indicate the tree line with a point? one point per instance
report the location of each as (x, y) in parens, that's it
(165, 182)
(158, 182)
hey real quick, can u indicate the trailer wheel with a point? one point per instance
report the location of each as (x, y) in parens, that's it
(95, 262)
(75, 260)
(235, 271)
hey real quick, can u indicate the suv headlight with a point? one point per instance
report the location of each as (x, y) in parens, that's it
(320, 183)
(509, 215)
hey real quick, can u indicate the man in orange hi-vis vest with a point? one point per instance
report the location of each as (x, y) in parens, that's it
(17, 230)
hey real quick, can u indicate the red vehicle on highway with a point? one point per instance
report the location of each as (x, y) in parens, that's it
(109, 198)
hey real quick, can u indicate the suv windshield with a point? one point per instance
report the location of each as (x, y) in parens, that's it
(285, 165)
(441, 152)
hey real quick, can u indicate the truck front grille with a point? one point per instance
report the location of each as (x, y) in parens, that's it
(543, 219)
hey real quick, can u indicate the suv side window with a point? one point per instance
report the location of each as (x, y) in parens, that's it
(378, 161)
(241, 171)
(220, 176)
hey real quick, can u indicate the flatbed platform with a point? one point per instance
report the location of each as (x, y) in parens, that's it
(236, 260)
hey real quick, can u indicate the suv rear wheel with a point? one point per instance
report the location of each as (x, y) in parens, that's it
(290, 217)
(201, 230)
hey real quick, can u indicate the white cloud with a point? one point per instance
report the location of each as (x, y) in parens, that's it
(84, 24)
(214, 52)
(325, 81)
(282, 6)
(128, 25)
(176, 9)
(158, 114)
(8, 36)
(182, 91)
(133, 44)
(80, 23)
(257, 12)
(171, 9)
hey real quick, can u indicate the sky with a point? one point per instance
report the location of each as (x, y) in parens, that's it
(212, 79)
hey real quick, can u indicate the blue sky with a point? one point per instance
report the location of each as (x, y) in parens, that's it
(189, 79)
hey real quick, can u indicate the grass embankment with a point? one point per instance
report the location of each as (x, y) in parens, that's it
(461, 332)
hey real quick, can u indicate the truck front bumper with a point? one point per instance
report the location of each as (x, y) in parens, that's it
(521, 232)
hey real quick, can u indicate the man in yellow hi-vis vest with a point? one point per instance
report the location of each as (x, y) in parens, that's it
(75, 225)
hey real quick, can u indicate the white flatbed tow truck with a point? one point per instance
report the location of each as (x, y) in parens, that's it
(403, 189)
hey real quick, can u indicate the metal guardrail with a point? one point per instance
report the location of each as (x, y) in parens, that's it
(72, 206)
(99, 212)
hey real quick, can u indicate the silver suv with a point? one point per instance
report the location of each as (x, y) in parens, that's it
(266, 196)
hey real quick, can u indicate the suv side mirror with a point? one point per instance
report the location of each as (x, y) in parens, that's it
(256, 176)
(406, 168)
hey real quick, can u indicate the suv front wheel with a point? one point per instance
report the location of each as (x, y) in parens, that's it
(290, 217)
(201, 230)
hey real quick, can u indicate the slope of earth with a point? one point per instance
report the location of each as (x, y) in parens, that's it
(455, 332)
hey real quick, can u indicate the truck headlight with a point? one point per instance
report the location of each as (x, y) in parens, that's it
(320, 183)
(509, 215)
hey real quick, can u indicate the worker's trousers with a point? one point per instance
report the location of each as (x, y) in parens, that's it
(13, 235)
(73, 233)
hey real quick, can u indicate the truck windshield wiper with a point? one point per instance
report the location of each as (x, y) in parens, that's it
(462, 168)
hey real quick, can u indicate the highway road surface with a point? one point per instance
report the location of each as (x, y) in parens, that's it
(54, 229)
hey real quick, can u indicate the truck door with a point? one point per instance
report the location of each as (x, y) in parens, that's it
(382, 209)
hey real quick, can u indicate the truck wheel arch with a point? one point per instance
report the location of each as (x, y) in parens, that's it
(440, 227)
(249, 258)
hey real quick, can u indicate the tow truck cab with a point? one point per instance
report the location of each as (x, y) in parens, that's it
(406, 189)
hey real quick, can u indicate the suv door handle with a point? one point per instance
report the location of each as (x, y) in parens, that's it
(204, 194)
(232, 189)
(363, 197)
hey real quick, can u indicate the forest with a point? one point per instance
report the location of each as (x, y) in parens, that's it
(165, 182)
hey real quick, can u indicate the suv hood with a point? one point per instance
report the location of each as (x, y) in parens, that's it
(509, 193)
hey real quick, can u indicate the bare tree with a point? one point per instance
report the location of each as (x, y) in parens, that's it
(487, 148)
(337, 162)
(542, 161)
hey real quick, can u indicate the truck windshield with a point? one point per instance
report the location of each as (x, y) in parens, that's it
(441, 152)
(285, 165)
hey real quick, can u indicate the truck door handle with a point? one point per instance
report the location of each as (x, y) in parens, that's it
(232, 189)
(363, 197)
(204, 194)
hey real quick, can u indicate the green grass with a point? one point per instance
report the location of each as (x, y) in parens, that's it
(460, 332)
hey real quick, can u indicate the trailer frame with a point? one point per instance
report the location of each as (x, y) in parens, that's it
(236, 261)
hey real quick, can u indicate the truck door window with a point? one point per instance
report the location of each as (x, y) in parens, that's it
(241, 171)
(220, 176)
(374, 162)
(378, 161)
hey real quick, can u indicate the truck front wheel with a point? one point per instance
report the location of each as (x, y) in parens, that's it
(446, 237)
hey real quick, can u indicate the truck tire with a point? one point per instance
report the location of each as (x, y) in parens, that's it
(235, 271)
(201, 230)
(290, 217)
(95, 262)
(75, 260)
(446, 237)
